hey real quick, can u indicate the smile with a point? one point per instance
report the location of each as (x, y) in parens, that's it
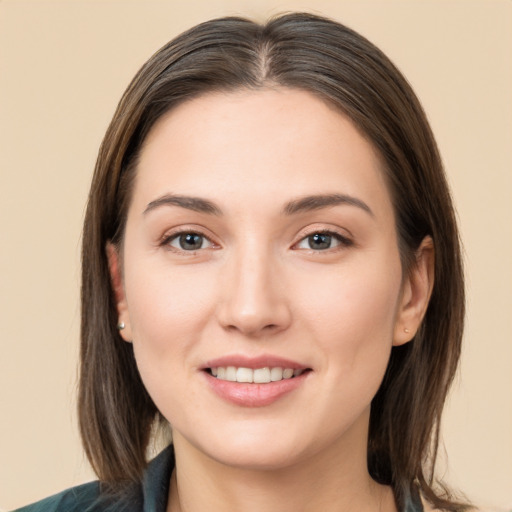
(263, 375)
(254, 381)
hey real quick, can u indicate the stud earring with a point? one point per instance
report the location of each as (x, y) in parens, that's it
(120, 326)
(405, 330)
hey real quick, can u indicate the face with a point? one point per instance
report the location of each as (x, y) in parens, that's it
(261, 280)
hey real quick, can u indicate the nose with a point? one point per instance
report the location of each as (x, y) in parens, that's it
(253, 299)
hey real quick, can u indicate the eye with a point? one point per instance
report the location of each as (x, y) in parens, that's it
(188, 241)
(323, 240)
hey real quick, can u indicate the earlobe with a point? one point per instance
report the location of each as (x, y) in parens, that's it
(416, 292)
(116, 280)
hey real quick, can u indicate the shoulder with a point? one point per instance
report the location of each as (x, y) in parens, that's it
(81, 498)
(148, 494)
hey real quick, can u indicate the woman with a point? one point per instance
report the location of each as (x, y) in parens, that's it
(271, 266)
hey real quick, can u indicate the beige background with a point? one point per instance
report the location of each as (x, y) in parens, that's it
(63, 67)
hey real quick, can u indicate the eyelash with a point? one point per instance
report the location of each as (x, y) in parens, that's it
(343, 241)
(166, 241)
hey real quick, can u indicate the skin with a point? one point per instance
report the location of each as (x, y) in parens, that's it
(256, 286)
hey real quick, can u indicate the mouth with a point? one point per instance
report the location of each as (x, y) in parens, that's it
(254, 381)
(254, 387)
(264, 375)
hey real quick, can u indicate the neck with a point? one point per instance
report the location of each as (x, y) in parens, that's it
(333, 481)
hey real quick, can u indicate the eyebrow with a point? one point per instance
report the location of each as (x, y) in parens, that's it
(317, 202)
(196, 204)
(300, 205)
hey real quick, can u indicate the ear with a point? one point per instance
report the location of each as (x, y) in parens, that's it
(416, 292)
(116, 280)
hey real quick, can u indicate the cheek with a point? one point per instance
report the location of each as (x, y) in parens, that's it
(353, 324)
(164, 302)
(352, 314)
(168, 310)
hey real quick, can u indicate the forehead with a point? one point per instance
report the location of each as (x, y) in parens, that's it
(250, 143)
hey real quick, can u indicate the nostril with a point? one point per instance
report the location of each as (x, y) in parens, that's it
(249, 328)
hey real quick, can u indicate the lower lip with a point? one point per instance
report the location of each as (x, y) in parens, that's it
(254, 395)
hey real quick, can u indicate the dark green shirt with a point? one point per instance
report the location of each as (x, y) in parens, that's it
(149, 495)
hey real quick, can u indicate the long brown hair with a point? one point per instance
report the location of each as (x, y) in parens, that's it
(344, 69)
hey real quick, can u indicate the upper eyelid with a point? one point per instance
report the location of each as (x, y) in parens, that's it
(172, 236)
(174, 232)
(342, 239)
(331, 230)
(165, 242)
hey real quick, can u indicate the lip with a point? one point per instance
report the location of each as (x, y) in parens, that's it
(254, 395)
(254, 362)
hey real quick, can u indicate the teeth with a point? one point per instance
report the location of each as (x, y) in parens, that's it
(287, 373)
(244, 375)
(231, 373)
(262, 375)
(258, 376)
(276, 374)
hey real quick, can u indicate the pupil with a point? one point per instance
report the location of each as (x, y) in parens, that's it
(320, 241)
(191, 241)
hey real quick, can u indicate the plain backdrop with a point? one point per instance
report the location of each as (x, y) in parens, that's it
(64, 66)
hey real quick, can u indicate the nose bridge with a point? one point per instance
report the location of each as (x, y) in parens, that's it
(253, 301)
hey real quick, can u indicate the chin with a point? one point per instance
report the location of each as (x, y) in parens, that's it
(251, 449)
(258, 458)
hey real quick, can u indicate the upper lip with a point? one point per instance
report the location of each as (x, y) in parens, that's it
(265, 360)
